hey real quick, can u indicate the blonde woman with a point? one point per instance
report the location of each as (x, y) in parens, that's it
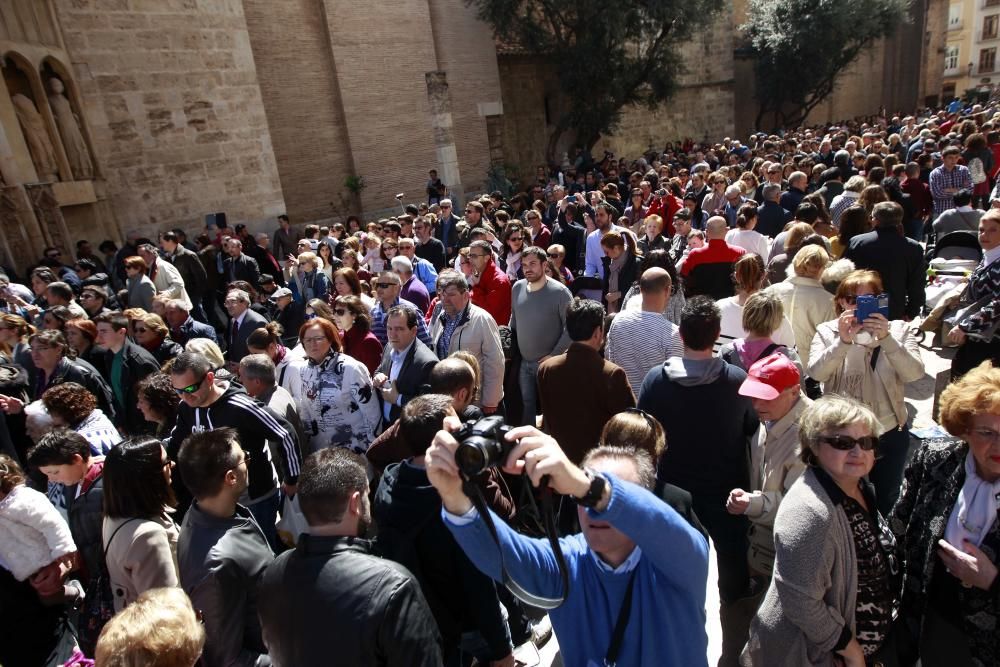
(807, 304)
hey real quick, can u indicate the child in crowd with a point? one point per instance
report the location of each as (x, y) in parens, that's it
(33, 535)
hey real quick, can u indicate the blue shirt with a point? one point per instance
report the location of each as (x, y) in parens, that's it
(378, 323)
(667, 622)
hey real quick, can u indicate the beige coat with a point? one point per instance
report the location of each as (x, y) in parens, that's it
(774, 466)
(807, 305)
(899, 362)
(479, 335)
(142, 555)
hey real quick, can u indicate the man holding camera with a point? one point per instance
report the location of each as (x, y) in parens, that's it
(637, 572)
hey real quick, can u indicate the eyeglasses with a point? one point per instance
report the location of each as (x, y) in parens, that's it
(139, 330)
(339, 311)
(469, 210)
(384, 285)
(191, 388)
(474, 254)
(846, 443)
(985, 435)
(312, 340)
(554, 255)
(516, 238)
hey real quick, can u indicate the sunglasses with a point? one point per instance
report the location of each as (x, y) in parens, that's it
(384, 285)
(340, 311)
(141, 330)
(516, 238)
(846, 443)
(191, 388)
(554, 255)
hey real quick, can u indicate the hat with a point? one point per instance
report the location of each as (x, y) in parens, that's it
(280, 292)
(770, 376)
(683, 214)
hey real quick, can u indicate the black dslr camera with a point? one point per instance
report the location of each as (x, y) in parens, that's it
(481, 445)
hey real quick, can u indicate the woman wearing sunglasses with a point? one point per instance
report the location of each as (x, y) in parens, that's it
(836, 579)
(353, 319)
(870, 361)
(946, 524)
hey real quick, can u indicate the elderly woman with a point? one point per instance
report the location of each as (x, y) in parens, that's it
(834, 588)
(652, 235)
(557, 256)
(158, 402)
(976, 329)
(870, 361)
(141, 289)
(211, 351)
(334, 395)
(308, 281)
(71, 406)
(946, 524)
(807, 304)
(152, 334)
(354, 321)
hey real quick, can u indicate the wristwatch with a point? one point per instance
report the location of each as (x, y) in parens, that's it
(597, 485)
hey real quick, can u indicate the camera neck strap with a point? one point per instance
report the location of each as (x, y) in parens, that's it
(618, 636)
(474, 493)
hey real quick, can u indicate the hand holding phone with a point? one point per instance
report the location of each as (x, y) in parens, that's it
(869, 304)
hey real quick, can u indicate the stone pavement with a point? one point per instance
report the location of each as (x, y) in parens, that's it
(920, 402)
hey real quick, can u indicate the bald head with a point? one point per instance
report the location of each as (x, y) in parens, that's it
(716, 227)
(654, 280)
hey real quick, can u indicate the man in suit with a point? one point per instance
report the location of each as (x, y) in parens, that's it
(242, 321)
(899, 260)
(406, 363)
(239, 266)
(126, 365)
(183, 327)
(192, 271)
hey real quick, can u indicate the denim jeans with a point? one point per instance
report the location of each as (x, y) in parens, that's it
(527, 380)
(887, 475)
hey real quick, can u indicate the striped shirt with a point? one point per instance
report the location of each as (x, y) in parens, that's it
(640, 340)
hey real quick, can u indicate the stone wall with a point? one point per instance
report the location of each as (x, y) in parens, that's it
(171, 96)
(703, 106)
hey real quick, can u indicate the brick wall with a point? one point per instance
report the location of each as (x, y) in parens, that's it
(171, 96)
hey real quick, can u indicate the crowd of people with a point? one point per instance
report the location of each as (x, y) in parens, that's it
(255, 449)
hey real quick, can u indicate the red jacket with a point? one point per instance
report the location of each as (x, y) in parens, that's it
(666, 210)
(492, 293)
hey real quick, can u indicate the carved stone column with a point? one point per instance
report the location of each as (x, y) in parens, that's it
(50, 218)
(444, 136)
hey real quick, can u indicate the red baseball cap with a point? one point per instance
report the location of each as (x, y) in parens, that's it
(770, 376)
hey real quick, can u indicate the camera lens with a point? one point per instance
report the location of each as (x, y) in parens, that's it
(471, 457)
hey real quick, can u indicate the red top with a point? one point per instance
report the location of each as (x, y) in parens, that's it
(666, 210)
(492, 293)
(716, 251)
(920, 195)
(363, 347)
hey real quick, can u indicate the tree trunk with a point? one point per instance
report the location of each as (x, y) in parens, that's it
(553, 142)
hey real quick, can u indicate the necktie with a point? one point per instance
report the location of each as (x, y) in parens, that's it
(236, 328)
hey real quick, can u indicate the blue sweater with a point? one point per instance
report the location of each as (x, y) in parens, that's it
(667, 622)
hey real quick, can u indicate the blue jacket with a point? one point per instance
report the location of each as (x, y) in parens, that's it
(666, 627)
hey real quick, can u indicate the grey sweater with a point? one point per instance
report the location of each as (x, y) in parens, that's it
(539, 319)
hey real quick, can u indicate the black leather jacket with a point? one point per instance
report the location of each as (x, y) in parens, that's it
(330, 601)
(220, 562)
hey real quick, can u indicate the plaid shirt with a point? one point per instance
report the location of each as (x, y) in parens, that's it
(959, 178)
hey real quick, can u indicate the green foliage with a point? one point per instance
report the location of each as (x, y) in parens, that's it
(355, 184)
(608, 56)
(802, 45)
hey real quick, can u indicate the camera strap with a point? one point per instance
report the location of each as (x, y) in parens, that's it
(474, 493)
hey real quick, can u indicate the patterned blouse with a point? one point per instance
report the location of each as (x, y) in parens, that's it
(873, 613)
(336, 403)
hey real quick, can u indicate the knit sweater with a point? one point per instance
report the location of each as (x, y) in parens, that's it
(539, 319)
(667, 619)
